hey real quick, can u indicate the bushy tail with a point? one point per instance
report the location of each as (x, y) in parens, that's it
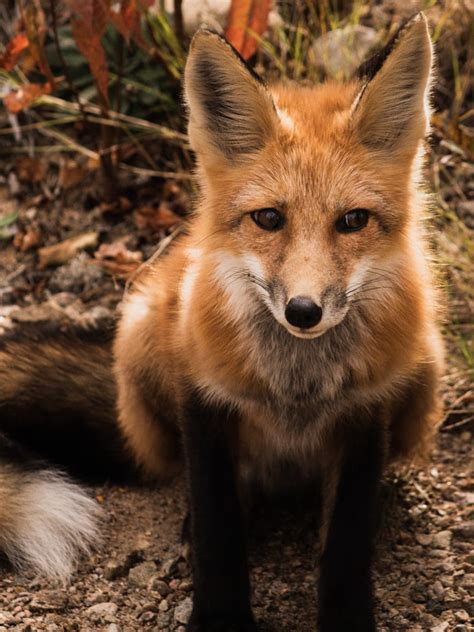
(46, 520)
(57, 413)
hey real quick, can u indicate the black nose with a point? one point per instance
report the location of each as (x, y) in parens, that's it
(303, 312)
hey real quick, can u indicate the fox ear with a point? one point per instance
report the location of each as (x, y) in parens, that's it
(231, 113)
(392, 110)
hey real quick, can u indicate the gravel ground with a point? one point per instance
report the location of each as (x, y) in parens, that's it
(138, 580)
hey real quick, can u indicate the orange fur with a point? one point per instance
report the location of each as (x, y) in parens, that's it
(193, 317)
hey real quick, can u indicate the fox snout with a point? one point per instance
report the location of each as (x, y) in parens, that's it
(303, 312)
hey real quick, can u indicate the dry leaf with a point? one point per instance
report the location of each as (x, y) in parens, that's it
(65, 250)
(126, 17)
(71, 173)
(27, 240)
(247, 17)
(30, 169)
(25, 96)
(155, 219)
(117, 259)
(89, 20)
(13, 50)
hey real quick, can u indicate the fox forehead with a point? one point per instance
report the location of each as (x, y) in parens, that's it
(317, 113)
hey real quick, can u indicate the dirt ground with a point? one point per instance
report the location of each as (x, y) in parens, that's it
(138, 580)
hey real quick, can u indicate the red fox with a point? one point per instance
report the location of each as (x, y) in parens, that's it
(290, 334)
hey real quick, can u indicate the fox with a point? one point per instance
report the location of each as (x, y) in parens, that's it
(289, 334)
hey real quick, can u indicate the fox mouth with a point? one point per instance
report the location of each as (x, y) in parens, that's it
(306, 334)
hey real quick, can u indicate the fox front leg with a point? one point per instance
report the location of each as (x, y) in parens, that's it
(220, 573)
(345, 584)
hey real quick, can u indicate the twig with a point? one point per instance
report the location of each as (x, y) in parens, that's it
(178, 20)
(119, 85)
(164, 131)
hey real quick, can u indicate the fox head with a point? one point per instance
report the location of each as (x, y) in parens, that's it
(308, 193)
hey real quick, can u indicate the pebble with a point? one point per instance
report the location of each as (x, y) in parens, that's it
(164, 606)
(159, 586)
(461, 615)
(114, 569)
(49, 601)
(140, 575)
(440, 627)
(182, 613)
(101, 611)
(168, 567)
(464, 530)
(442, 540)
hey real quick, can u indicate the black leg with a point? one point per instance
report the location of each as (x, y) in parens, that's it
(345, 588)
(221, 582)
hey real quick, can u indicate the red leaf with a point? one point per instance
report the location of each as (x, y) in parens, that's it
(25, 96)
(13, 50)
(89, 20)
(127, 20)
(117, 259)
(245, 18)
(155, 219)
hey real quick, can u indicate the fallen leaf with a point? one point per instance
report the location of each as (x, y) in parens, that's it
(26, 95)
(13, 50)
(246, 18)
(71, 173)
(117, 259)
(155, 219)
(122, 205)
(28, 239)
(30, 169)
(65, 250)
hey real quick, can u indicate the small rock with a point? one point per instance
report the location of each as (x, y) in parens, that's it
(147, 616)
(159, 585)
(114, 569)
(102, 611)
(467, 581)
(442, 540)
(461, 615)
(113, 627)
(169, 567)
(340, 52)
(440, 627)
(424, 539)
(164, 606)
(140, 575)
(186, 585)
(182, 613)
(49, 601)
(438, 589)
(418, 594)
(464, 531)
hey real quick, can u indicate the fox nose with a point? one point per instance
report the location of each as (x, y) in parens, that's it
(303, 312)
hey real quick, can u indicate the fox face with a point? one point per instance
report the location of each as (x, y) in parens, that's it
(310, 193)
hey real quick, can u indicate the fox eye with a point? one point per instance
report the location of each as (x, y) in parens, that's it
(268, 219)
(353, 221)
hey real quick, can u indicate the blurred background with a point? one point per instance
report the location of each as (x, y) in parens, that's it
(96, 174)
